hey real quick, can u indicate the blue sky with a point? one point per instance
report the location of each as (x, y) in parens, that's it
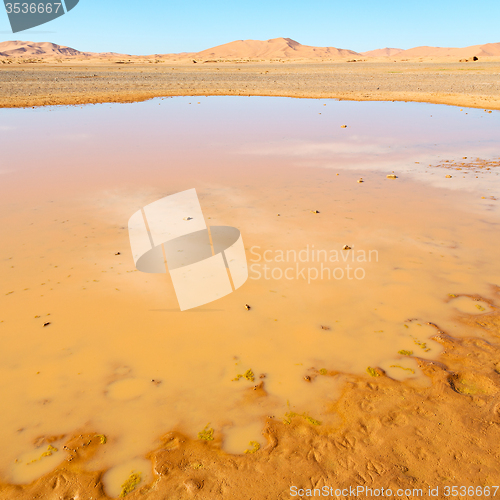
(140, 27)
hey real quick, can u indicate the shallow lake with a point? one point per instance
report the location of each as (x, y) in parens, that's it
(118, 357)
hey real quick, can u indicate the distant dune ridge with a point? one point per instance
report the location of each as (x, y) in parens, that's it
(276, 48)
(38, 49)
(43, 50)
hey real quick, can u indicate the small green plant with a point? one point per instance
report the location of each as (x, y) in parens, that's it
(48, 453)
(423, 345)
(311, 420)
(130, 484)
(248, 375)
(404, 352)
(207, 434)
(323, 371)
(411, 370)
(255, 446)
(371, 371)
(287, 419)
(480, 307)
(102, 438)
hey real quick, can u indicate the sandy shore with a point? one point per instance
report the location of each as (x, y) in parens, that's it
(397, 436)
(82, 82)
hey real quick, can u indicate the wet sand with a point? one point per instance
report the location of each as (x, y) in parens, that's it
(390, 381)
(390, 435)
(472, 84)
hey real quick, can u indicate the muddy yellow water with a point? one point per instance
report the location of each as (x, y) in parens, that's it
(90, 344)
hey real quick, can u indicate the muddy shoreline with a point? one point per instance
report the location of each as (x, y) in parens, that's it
(392, 435)
(475, 85)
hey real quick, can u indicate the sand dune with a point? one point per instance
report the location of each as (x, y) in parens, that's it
(276, 48)
(488, 49)
(39, 49)
(382, 52)
(43, 50)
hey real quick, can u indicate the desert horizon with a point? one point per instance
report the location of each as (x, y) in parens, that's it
(276, 48)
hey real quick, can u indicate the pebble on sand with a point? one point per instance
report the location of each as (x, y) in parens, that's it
(343, 126)
(346, 247)
(361, 180)
(392, 176)
(448, 176)
(247, 307)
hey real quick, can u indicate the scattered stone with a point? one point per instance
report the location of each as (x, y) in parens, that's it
(324, 327)
(307, 378)
(315, 211)
(448, 176)
(361, 179)
(346, 247)
(188, 218)
(46, 324)
(247, 307)
(118, 253)
(392, 176)
(343, 126)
